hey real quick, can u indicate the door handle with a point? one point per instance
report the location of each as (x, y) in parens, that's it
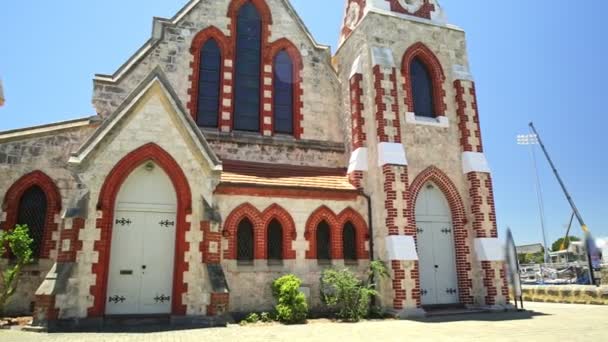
(436, 266)
(143, 267)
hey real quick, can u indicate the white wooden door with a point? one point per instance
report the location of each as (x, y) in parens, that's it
(435, 241)
(140, 279)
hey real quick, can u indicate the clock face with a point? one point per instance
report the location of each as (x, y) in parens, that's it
(411, 6)
(352, 16)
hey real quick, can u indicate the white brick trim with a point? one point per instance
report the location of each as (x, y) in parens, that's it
(440, 121)
(358, 160)
(401, 248)
(475, 162)
(391, 153)
(489, 249)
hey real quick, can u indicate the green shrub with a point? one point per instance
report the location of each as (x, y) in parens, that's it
(252, 318)
(19, 244)
(292, 307)
(266, 317)
(350, 296)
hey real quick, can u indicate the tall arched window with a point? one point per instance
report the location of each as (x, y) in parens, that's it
(244, 242)
(209, 84)
(275, 241)
(248, 69)
(349, 242)
(32, 212)
(283, 93)
(323, 242)
(422, 89)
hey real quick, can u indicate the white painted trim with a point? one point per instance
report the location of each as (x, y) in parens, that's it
(489, 249)
(475, 162)
(358, 160)
(461, 72)
(439, 121)
(357, 68)
(401, 248)
(391, 153)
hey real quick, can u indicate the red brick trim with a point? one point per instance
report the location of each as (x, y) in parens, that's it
(480, 218)
(489, 276)
(423, 12)
(381, 107)
(208, 238)
(358, 136)
(336, 228)
(298, 90)
(266, 17)
(70, 235)
(223, 42)
(44, 309)
(260, 223)
(463, 250)
(53, 198)
(106, 204)
(298, 193)
(463, 118)
(219, 304)
(421, 51)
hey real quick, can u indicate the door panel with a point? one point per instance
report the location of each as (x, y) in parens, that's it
(446, 277)
(426, 263)
(158, 263)
(124, 280)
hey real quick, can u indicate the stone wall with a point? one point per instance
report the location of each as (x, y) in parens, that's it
(571, 294)
(20, 155)
(170, 50)
(250, 285)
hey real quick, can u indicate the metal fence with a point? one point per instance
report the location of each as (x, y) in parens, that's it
(559, 274)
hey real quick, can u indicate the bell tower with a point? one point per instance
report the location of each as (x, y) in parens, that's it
(356, 9)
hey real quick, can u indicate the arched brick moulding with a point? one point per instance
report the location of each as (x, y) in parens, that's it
(53, 198)
(445, 184)
(422, 52)
(260, 222)
(298, 66)
(266, 17)
(198, 42)
(106, 205)
(336, 228)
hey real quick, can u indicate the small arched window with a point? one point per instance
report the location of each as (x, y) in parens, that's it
(245, 242)
(323, 242)
(32, 212)
(283, 93)
(248, 69)
(349, 242)
(275, 241)
(422, 89)
(209, 84)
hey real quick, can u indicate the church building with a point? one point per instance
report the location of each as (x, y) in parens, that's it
(232, 148)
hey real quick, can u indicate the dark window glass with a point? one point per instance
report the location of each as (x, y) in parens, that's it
(349, 242)
(248, 69)
(245, 242)
(323, 242)
(275, 241)
(283, 93)
(32, 212)
(209, 85)
(422, 89)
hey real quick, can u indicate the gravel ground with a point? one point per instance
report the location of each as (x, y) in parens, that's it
(544, 322)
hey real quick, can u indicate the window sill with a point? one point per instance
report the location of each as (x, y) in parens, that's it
(439, 121)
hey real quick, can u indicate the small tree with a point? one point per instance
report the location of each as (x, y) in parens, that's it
(292, 307)
(19, 245)
(341, 289)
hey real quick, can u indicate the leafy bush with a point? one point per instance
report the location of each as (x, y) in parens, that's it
(342, 290)
(19, 244)
(292, 307)
(252, 318)
(266, 317)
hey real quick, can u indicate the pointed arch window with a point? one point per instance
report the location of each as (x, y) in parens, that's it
(33, 212)
(422, 89)
(209, 84)
(275, 242)
(248, 69)
(283, 84)
(323, 242)
(244, 242)
(349, 242)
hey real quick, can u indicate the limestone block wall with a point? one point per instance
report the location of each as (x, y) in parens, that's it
(250, 285)
(130, 134)
(170, 49)
(571, 294)
(20, 155)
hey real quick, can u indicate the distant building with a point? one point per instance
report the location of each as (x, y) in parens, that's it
(530, 249)
(575, 252)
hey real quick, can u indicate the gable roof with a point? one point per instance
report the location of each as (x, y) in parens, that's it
(157, 37)
(156, 77)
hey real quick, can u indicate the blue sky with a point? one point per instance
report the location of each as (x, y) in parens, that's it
(539, 60)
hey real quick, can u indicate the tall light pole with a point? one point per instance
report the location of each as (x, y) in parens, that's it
(532, 140)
